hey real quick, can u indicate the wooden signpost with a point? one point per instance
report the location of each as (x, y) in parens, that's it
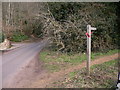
(88, 34)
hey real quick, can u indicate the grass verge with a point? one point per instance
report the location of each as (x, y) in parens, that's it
(102, 76)
(54, 61)
(19, 37)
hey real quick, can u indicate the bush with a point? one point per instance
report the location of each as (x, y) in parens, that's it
(1, 37)
(18, 37)
(73, 19)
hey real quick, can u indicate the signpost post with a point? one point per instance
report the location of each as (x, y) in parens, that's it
(88, 34)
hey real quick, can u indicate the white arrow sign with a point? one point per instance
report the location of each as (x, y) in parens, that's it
(92, 28)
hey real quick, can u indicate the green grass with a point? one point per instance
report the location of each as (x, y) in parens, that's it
(102, 76)
(52, 68)
(19, 37)
(72, 74)
(1, 37)
(55, 61)
(94, 55)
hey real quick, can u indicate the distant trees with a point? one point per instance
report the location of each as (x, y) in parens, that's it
(22, 17)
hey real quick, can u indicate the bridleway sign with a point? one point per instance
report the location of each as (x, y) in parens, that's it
(88, 34)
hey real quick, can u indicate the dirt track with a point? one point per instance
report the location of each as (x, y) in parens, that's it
(43, 79)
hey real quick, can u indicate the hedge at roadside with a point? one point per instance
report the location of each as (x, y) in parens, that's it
(72, 19)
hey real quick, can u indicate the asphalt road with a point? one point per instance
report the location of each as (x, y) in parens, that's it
(13, 60)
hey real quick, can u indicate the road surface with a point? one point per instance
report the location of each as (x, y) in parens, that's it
(13, 60)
